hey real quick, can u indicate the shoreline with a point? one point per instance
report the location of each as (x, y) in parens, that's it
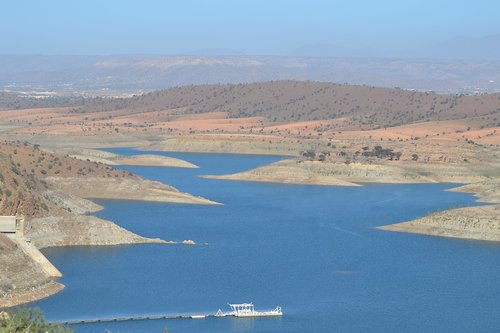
(479, 223)
(298, 171)
(111, 235)
(123, 189)
(114, 159)
(473, 222)
(44, 240)
(333, 182)
(428, 139)
(49, 289)
(69, 225)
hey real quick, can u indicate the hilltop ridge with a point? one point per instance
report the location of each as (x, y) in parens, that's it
(279, 109)
(294, 101)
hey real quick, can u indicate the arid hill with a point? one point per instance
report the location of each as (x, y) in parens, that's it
(281, 117)
(359, 107)
(330, 122)
(23, 168)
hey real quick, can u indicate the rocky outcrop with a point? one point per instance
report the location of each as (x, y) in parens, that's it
(286, 173)
(324, 173)
(116, 159)
(487, 191)
(154, 160)
(71, 203)
(123, 188)
(74, 230)
(478, 223)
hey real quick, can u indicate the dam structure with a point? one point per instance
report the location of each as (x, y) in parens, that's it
(13, 227)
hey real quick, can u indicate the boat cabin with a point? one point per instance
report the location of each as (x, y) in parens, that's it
(244, 309)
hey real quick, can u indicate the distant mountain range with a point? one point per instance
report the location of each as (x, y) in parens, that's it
(68, 74)
(483, 48)
(460, 48)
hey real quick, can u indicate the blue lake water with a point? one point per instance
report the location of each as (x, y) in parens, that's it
(313, 250)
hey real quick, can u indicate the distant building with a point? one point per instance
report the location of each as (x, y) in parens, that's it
(12, 224)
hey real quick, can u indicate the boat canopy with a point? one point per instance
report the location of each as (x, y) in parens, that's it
(244, 308)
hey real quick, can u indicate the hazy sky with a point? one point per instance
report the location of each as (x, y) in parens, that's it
(251, 27)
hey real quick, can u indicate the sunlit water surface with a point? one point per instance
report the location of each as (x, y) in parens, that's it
(313, 250)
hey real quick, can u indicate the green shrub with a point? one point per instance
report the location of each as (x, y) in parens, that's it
(29, 321)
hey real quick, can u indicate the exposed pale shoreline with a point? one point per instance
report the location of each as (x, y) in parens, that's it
(124, 189)
(475, 223)
(72, 227)
(281, 173)
(56, 231)
(297, 171)
(478, 223)
(293, 171)
(108, 158)
(35, 294)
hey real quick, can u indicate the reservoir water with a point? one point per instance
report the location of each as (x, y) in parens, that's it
(313, 250)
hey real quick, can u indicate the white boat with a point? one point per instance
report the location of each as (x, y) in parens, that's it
(248, 310)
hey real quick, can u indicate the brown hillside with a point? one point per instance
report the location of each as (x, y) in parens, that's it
(23, 168)
(279, 108)
(291, 101)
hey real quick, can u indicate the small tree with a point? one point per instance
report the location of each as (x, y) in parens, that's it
(30, 321)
